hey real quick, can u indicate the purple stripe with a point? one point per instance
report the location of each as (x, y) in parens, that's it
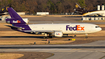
(13, 13)
(14, 17)
(26, 27)
(17, 21)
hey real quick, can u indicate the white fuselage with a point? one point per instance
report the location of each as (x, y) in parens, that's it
(70, 28)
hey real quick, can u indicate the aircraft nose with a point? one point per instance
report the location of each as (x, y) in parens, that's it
(100, 29)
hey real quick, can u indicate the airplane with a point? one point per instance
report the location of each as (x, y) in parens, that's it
(84, 12)
(79, 9)
(49, 30)
(3, 10)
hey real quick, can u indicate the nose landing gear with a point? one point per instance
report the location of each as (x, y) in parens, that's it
(74, 35)
(86, 36)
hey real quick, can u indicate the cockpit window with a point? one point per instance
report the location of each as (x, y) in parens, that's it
(97, 27)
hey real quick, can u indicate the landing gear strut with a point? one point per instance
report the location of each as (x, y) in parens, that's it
(50, 36)
(86, 36)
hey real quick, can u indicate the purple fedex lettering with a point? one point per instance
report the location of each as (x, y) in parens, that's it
(76, 28)
(71, 28)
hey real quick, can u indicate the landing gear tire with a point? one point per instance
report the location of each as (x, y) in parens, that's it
(86, 36)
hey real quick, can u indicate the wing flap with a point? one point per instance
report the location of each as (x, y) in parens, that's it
(41, 31)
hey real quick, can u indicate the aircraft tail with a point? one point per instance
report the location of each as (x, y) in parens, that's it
(3, 10)
(17, 22)
(15, 18)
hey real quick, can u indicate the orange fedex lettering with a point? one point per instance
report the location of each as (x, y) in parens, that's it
(78, 28)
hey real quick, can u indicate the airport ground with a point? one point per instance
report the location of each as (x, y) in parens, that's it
(10, 37)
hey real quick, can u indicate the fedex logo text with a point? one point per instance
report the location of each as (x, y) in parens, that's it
(57, 33)
(76, 28)
(17, 21)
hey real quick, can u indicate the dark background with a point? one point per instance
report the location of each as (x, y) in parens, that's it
(52, 6)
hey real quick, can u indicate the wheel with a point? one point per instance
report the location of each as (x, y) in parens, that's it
(86, 37)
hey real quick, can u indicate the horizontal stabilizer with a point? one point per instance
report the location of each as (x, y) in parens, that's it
(14, 27)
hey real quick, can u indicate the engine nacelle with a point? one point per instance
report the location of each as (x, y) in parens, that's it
(26, 20)
(58, 34)
(17, 21)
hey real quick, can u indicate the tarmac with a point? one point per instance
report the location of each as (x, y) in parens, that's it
(68, 53)
(96, 44)
(79, 52)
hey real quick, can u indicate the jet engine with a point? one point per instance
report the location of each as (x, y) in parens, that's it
(58, 34)
(26, 20)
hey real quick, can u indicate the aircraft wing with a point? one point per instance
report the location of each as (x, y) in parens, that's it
(39, 31)
(43, 31)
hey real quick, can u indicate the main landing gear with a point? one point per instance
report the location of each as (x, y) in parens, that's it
(46, 36)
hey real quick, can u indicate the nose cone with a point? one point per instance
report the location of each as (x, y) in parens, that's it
(99, 29)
